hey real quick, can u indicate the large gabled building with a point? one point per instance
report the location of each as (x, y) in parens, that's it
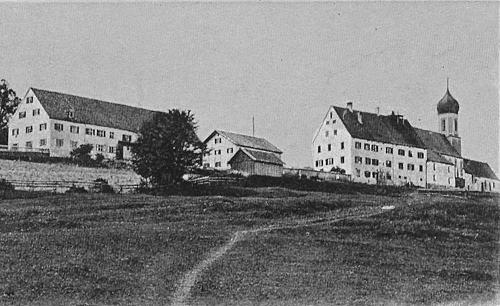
(57, 123)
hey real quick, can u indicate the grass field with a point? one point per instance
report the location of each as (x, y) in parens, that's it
(133, 249)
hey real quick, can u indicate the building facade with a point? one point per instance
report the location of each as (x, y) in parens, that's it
(254, 162)
(58, 123)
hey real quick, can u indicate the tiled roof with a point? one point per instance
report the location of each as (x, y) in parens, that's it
(437, 142)
(436, 157)
(92, 111)
(479, 169)
(387, 129)
(260, 156)
(247, 141)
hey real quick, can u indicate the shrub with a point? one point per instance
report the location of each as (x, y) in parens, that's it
(74, 189)
(101, 186)
(82, 154)
(99, 158)
(4, 185)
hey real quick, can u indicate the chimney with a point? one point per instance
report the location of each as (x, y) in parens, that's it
(349, 106)
(377, 110)
(360, 119)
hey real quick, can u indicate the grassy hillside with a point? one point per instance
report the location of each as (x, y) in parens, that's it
(133, 249)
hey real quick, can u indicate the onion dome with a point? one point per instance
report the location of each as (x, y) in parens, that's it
(447, 104)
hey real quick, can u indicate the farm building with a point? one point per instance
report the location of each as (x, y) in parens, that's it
(222, 146)
(57, 123)
(254, 162)
(480, 177)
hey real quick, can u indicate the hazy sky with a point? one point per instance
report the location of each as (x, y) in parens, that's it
(282, 63)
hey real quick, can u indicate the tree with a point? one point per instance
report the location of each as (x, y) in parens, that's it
(82, 154)
(167, 147)
(8, 106)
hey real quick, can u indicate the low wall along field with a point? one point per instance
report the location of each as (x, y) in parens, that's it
(23, 171)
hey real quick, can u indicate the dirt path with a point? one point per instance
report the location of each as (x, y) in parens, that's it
(182, 293)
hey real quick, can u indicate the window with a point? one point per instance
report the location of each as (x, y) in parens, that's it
(388, 163)
(420, 154)
(58, 126)
(358, 172)
(443, 125)
(329, 161)
(29, 145)
(14, 147)
(71, 114)
(368, 161)
(89, 131)
(100, 148)
(456, 125)
(59, 142)
(327, 122)
(29, 129)
(421, 168)
(15, 132)
(449, 169)
(127, 138)
(74, 129)
(374, 175)
(43, 142)
(101, 133)
(112, 135)
(36, 112)
(22, 115)
(410, 154)
(327, 133)
(43, 126)
(401, 166)
(388, 150)
(319, 149)
(410, 167)
(206, 165)
(73, 144)
(319, 163)
(329, 147)
(342, 159)
(367, 173)
(331, 115)
(342, 145)
(388, 176)
(230, 150)
(29, 100)
(218, 140)
(434, 177)
(367, 146)
(374, 148)
(334, 131)
(111, 149)
(358, 160)
(401, 152)
(357, 145)
(217, 164)
(375, 162)
(434, 166)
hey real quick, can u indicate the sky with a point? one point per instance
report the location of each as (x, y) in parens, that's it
(282, 63)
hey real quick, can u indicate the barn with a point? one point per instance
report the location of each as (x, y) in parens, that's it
(254, 162)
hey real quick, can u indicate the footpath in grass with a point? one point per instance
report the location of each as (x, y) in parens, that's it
(438, 250)
(130, 249)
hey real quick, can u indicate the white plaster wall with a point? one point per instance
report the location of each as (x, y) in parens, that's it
(439, 174)
(224, 157)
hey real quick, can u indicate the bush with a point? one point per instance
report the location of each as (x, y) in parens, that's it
(101, 186)
(6, 186)
(99, 158)
(74, 189)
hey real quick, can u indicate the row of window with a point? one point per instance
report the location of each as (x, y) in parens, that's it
(35, 112)
(73, 144)
(388, 150)
(327, 133)
(329, 147)
(75, 130)
(328, 161)
(219, 152)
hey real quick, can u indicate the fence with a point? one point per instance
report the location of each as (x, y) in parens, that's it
(62, 186)
(310, 173)
(214, 180)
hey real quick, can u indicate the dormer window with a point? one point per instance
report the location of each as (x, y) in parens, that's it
(71, 114)
(29, 100)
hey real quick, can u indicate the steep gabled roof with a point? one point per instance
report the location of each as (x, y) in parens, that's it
(387, 129)
(92, 111)
(437, 142)
(246, 141)
(259, 156)
(436, 157)
(479, 169)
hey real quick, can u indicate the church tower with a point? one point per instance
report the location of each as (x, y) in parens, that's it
(447, 109)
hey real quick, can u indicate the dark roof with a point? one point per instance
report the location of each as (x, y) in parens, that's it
(437, 142)
(479, 169)
(447, 104)
(92, 111)
(246, 141)
(436, 157)
(389, 129)
(259, 156)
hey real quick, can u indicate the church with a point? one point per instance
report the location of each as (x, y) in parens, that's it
(386, 149)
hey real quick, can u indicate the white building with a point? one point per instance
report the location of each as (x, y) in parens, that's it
(57, 123)
(222, 146)
(480, 177)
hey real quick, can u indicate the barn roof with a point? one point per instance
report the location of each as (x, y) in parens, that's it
(259, 156)
(92, 111)
(437, 142)
(436, 157)
(246, 141)
(391, 129)
(479, 169)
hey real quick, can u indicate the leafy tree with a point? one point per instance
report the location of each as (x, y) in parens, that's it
(8, 105)
(167, 147)
(82, 154)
